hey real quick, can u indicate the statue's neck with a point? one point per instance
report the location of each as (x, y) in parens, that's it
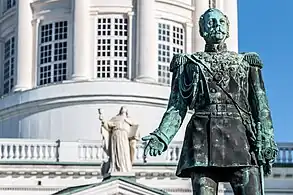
(215, 47)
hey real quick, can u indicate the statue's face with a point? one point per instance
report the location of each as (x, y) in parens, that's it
(214, 26)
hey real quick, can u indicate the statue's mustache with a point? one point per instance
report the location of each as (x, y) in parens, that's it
(215, 31)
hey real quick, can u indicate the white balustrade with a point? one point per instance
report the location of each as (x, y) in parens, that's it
(285, 154)
(27, 150)
(91, 151)
(31, 150)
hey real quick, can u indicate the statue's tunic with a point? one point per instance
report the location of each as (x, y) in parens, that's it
(218, 87)
(119, 151)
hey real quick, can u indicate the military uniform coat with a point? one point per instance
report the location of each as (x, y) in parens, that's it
(223, 89)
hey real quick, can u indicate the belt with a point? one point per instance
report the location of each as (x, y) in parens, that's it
(218, 110)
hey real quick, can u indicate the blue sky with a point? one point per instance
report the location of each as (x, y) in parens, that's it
(266, 28)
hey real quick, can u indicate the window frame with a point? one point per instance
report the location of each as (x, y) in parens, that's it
(113, 38)
(13, 71)
(68, 60)
(171, 45)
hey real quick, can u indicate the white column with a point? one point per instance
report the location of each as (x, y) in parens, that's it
(147, 69)
(200, 7)
(24, 45)
(36, 25)
(188, 37)
(230, 9)
(221, 189)
(220, 5)
(130, 28)
(81, 51)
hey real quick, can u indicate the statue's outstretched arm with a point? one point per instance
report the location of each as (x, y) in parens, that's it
(177, 108)
(260, 108)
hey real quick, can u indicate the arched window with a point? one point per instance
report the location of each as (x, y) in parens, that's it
(170, 42)
(53, 52)
(112, 46)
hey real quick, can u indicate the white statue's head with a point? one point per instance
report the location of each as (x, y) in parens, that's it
(123, 110)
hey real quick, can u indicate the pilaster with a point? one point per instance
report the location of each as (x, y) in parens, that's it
(130, 38)
(36, 24)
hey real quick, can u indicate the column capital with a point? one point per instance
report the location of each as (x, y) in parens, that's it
(130, 14)
(94, 12)
(189, 24)
(36, 21)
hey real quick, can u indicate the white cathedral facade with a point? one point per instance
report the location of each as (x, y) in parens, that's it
(62, 60)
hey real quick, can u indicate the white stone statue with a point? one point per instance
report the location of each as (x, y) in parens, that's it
(120, 135)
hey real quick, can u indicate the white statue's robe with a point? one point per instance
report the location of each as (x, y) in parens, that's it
(117, 143)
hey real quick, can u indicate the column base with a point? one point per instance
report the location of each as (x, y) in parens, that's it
(144, 79)
(79, 78)
(17, 88)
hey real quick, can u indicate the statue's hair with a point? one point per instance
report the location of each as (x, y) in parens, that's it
(201, 21)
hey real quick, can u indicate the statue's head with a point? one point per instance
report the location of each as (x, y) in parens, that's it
(123, 110)
(214, 26)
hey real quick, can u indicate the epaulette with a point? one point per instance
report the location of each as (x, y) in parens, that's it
(253, 59)
(177, 60)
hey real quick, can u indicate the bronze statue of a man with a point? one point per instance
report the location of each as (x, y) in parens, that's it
(230, 135)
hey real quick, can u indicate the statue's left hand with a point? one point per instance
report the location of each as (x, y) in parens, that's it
(154, 146)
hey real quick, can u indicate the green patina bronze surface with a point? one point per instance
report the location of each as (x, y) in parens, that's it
(230, 136)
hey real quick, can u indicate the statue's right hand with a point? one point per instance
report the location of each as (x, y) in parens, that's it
(154, 146)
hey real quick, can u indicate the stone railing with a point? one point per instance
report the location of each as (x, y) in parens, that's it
(27, 150)
(93, 152)
(285, 154)
(30, 150)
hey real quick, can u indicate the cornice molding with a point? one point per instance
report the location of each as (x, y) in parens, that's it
(82, 174)
(128, 93)
(177, 3)
(152, 174)
(53, 189)
(39, 5)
